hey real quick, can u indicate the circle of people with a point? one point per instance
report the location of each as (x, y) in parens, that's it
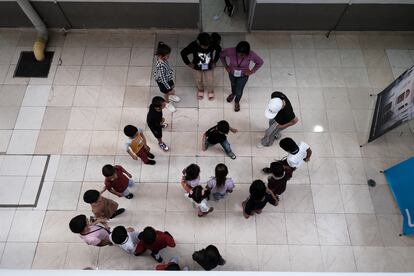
(205, 52)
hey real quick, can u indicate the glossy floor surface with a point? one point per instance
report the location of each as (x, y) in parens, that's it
(328, 218)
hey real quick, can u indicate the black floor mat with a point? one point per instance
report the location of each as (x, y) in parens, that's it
(28, 66)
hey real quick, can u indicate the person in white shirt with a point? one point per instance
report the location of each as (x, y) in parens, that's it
(199, 197)
(126, 238)
(297, 154)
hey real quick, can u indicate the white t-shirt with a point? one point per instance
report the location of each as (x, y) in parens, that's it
(203, 205)
(130, 244)
(295, 160)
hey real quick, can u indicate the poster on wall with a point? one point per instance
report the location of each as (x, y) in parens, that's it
(395, 105)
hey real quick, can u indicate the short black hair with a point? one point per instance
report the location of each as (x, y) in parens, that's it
(204, 39)
(77, 224)
(289, 145)
(108, 170)
(277, 169)
(243, 47)
(149, 235)
(163, 49)
(119, 235)
(215, 38)
(91, 196)
(157, 101)
(130, 131)
(192, 172)
(223, 126)
(257, 189)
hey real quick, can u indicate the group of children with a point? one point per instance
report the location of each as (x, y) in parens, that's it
(206, 52)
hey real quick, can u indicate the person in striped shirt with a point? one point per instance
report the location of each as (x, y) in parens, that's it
(164, 76)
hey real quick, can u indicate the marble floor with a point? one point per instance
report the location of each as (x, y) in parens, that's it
(328, 218)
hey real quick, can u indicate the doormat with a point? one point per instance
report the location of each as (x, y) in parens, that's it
(29, 67)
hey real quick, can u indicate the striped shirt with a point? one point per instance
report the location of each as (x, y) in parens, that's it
(163, 72)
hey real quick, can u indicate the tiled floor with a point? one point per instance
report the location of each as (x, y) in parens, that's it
(327, 220)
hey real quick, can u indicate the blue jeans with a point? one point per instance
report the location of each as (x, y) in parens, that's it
(130, 184)
(237, 86)
(225, 144)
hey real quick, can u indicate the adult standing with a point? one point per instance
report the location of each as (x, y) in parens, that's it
(238, 68)
(205, 56)
(280, 113)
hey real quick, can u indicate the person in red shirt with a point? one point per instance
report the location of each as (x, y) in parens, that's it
(153, 240)
(117, 181)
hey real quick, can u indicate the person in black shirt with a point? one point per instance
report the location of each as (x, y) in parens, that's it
(208, 258)
(217, 135)
(280, 174)
(155, 120)
(258, 198)
(280, 114)
(205, 56)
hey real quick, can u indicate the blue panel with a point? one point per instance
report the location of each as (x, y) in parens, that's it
(401, 180)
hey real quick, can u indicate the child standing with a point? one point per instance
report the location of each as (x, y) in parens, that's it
(136, 145)
(217, 135)
(220, 185)
(208, 258)
(279, 177)
(258, 198)
(126, 238)
(191, 177)
(163, 75)
(155, 120)
(297, 154)
(102, 207)
(205, 56)
(153, 240)
(93, 233)
(199, 197)
(117, 181)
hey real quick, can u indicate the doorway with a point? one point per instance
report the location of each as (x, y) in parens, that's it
(214, 19)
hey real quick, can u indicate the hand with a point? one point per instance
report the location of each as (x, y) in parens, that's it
(129, 175)
(135, 157)
(248, 72)
(235, 130)
(228, 69)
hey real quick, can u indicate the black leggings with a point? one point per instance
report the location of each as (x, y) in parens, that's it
(228, 3)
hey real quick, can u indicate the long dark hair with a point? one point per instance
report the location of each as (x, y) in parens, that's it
(221, 173)
(197, 194)
(192, 172)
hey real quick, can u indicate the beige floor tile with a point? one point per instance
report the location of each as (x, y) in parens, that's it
(111, 96)
(18, 229)
(55, 227)
(301, 229)
(273, 258)
(183, 143)
(95, 56)
(65, 196)
(178, 163)
(298, 199)
(118, 56)
(50, 256)
(18, 255)
(146, 202)
(76, 142)
(240, 230)
(338, 258)
(305, 258)
(67, 75)
(141, 56)
(332, 229)
(107, 118)
(139, 76)
(103, 143)
(30, 118)
(237, 252)
(23, 142)
(6, 217)
(136, 96)
(30, 190)
(82, 118)
(86, 96)
(114, 258)
(267, 224)
(81, 255)
(71, 168)
(61, 95)
(91, 75)
(181, 225)
(56, 118)
(11, 196)
(12, 95)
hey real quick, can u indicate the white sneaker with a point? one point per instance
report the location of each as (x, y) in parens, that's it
(171, 107)
(174, 98)
(259, 146)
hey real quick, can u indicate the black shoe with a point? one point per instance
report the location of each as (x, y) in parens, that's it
(150, 155)
(230, 10)
(118, 212)
(129, 196)
(230, 98)
(155, 258)
(266, 170)
(150, 162)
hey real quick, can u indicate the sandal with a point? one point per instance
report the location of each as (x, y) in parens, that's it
(200, 95)
(231, 155)
(211, 95)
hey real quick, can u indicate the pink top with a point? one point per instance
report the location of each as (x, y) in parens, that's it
(240, 63)
(96, 234)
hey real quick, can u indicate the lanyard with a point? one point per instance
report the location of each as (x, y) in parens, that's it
(237, 61)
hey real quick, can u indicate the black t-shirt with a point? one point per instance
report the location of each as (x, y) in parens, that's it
(200, 55)
(154, 117)
(278, 186)
(214, 136)
(252, 205)
(286, 114)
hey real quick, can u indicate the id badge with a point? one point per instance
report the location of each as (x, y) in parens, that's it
(204, 66)
(237, 73)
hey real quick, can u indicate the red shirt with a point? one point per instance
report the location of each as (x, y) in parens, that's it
(120, 183)
(161, 241)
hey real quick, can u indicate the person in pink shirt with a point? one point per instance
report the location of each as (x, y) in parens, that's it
(237, 61)
(92, 233)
